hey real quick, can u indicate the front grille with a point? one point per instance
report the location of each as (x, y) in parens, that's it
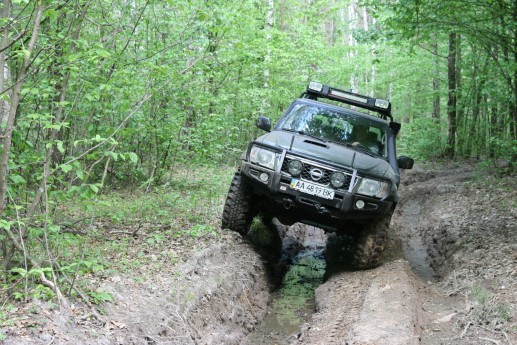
(316, 173)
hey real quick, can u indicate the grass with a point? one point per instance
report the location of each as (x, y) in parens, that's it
(193, 196)
(132, 232)
(486, 310)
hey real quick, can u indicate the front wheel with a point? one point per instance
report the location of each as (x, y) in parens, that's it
(238, 210)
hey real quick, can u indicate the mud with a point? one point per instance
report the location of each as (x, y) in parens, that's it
(449, 276)
(294, 302)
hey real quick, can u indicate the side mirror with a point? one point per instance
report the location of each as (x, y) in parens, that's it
(405, 162)
(264, 123)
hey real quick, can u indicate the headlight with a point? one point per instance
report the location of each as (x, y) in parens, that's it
(337, 179)
(295, 167)
(373, 188)
(261, 156)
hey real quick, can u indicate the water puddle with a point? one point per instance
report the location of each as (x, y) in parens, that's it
(294, 302)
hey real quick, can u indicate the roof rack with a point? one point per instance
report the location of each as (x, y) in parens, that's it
(317, 90)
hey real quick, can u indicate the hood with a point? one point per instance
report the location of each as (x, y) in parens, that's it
(335, 153)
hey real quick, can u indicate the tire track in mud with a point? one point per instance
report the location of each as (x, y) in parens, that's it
(383, 306)
(374, 307)
(339, 302)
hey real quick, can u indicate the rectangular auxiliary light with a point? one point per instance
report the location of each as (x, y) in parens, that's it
(348, 96)
(315, 86)
(380, 103)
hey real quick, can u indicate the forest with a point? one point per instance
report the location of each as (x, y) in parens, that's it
(104, 99)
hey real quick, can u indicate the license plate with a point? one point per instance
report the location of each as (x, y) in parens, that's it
(312, 189)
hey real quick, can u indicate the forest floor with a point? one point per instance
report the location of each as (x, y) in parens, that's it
(449, 276)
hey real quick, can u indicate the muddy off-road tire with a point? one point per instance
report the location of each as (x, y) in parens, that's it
(370, 243)
(339, 253)
(238, 209)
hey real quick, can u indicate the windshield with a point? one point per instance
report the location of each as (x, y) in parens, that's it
(330, 125)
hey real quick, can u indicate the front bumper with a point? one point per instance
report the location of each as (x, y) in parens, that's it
(281, 199)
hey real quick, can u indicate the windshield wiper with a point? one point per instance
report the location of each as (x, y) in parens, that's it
(340, 143)
(303, 133)
(364, 149)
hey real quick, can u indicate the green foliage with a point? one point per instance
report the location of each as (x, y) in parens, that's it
(98, 297)
(422, 139)
(190, 195)
(83, 267)
(38, 291)
(200, 229)
(484, 79)
(128, 113)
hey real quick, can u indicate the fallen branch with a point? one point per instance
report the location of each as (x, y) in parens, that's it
(84, 297)
(465, 330)
(490, 340)
(507, 338)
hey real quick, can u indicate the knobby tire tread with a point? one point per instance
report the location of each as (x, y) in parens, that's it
(237, 212)
(370, 244)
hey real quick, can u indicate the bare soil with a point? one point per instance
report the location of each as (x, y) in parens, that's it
(449, 276)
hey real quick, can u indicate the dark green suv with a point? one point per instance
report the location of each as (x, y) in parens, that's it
(326, 165)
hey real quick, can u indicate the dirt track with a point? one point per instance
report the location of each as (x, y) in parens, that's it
(449, 275)
(443, 281)
(379, 306)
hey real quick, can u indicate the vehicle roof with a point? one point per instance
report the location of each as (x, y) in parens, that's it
(342, 110)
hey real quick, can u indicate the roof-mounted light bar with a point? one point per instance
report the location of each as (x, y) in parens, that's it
(381, 106)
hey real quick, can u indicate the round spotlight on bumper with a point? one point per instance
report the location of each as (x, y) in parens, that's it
(264, 177)
(295, 167)
(359, 204)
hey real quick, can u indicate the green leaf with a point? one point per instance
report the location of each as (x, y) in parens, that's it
(100, 296)
(133, 157)
(80, 174)
(4, 224)
(113, 155)
(65, 167)
(94, 188)
(35, 272)
(60, 147)
(52, 14)
(20, 271)
(17, 179)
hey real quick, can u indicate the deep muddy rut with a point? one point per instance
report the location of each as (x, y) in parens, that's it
(403, 301)
(442, 281)
(293, 303)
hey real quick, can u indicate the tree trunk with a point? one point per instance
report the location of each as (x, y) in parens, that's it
(15, 101)
(451, 102)
(436, 85)
(513, 104)
(460, 112)
(270, 21)
(5, 73)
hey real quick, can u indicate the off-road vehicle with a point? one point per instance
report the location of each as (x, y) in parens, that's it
(323, 164)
